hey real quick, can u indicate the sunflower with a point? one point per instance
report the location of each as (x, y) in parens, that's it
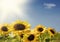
(40, 29)
(18, 26)
(21, 34)
(30, 37)
(5, 29)
(51, 31)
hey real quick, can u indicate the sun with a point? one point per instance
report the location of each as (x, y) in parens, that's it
(9, 8)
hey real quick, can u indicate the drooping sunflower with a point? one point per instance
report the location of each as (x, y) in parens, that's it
(31, 37)
(19, 25)
(22, 34)
(40, 29)
(51, 31)
(5, 29)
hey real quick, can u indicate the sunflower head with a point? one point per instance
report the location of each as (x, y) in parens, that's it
(51, 31)
(30, 37)
(40, 29)
(20, 25)
(5, 29)
(20, 34)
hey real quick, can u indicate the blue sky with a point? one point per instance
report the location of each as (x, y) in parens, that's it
(45, 12)
(48, 14)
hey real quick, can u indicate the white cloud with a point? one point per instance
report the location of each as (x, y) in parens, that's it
(12, 8)
(49, 5)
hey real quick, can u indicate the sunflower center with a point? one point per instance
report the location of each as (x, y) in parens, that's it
(19, 27)
(31, 37)
(4, 28)
(21, 35)
(52, 31)
(40, 29)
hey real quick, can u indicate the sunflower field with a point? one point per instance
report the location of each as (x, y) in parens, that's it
(20, 31)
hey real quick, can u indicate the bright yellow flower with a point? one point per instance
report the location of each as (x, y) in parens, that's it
(5, 29)
(39, 29)
(30, 37)
(51, 31)
(19, 26)
(22, 34)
